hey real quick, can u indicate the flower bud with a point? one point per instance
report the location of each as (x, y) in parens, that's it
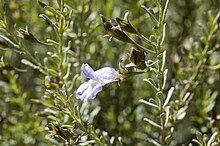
(138, 59)
(114, 30)
(125, 25)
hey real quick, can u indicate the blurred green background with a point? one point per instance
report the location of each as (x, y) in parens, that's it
(120, 112)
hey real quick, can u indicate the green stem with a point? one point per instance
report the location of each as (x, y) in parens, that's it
(82, 127)
(141, 48)
(149, 42)
(61, 27)
(160, 71)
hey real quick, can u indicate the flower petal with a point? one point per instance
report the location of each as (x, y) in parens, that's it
(88, 90)
(82, 89)
(87, 94)
(107, 75)
(96, 89)
(89, 72)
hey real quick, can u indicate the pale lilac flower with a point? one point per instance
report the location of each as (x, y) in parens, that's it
(98, 78)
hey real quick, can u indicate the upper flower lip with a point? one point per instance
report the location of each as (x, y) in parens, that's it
(89, 72)
(98, 78)
(104, 75)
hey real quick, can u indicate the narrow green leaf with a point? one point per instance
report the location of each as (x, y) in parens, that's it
(216, 19)
(164, 78)
(211, 140)
(151, 83)
(196, 141)
(68, 46)
(163, 60)
(56, 58)
(215, 67)
(151, 63)
(148, 103)
(152, 122)
(181, 113)
(211, 102)
(153, 18)
(9, 41)
(146, 40)
(47, 19)
(140, 47)
(167, 110)
(160, 55)
(68, 72)
(94, 113)
(164, 34)
(186, 96)
(153, 141)
(52, 72)
(170, 92)
(27, 62)
(88, 142)
(52, 42)
(165, 10)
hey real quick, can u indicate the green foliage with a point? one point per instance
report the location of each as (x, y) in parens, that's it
(167, 54)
